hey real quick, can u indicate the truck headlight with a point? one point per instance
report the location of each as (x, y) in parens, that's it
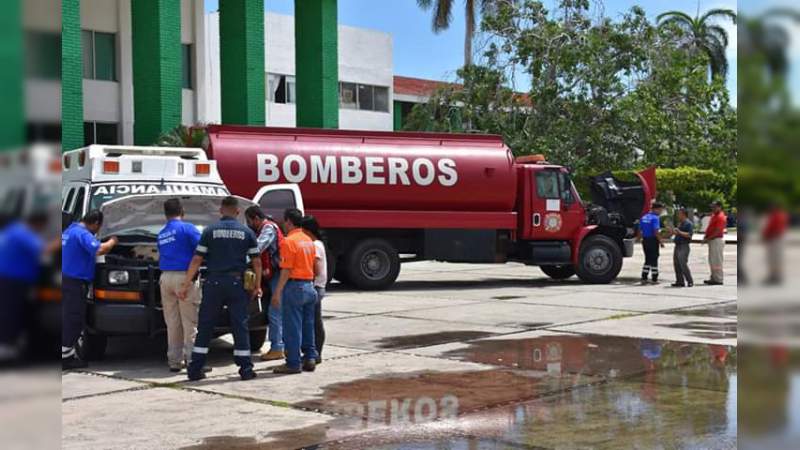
(117, 277)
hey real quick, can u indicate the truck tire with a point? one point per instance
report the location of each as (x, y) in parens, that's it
(373, 264)
(559, 272)
(91, 347)
(599, 260)
(257, 338)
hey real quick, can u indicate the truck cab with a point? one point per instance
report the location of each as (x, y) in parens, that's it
(129, 185)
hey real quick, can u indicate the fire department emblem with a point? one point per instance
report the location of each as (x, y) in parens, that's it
(552, 222)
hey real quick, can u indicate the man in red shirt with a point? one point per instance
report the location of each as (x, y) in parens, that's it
(715, 238)
(772, 234)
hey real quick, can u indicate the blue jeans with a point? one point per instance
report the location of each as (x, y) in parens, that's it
(299, 302)
(275, 319)
(219, 290)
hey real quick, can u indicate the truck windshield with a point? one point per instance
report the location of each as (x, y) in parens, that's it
(104, 193)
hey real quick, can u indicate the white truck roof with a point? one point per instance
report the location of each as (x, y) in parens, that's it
(108, 163)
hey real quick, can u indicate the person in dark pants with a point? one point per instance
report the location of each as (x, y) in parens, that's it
(225, 246)
(79, 248)
(296, 296)
(680, 257)
(311, 226)
(21, 249)
(649, 227)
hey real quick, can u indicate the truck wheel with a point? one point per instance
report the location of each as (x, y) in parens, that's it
(600, 260)
(257, 338)
(373, 264)
(91, 347)
(558, 272)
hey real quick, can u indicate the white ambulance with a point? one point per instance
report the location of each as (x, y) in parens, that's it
(129, 185)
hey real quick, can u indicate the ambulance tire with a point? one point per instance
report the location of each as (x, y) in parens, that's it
(91, 347)
(559, 272)
(257, 339)
(600, 260)
(373, 264)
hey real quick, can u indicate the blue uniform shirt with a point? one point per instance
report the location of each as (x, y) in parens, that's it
(649, 224)
(78, 252)
(20, 253)
(176, 244)
(226, 245)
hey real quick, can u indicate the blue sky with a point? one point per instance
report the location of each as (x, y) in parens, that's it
(418, 52)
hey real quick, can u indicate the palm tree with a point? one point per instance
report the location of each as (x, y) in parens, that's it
(703, 35)
(443, 16)
(766, 35)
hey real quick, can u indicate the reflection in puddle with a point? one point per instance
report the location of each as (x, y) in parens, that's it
(430, 339)
(554, 391)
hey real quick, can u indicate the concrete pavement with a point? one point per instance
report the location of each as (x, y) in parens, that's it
(496, 356)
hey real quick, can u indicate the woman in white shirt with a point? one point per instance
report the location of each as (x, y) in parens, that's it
(311, 227)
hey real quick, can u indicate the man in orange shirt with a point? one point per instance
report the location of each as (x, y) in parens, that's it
(296, 297)
(715, 238)
(772, 234)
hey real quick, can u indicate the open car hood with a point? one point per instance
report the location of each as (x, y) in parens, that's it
(631, 199)
(143, 216)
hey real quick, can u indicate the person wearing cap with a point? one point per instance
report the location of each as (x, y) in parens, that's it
(649, 228)
(177, 242)
(225, 247)
(715, 238)
(296, 297)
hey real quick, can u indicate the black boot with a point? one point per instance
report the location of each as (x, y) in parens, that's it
(73, 362)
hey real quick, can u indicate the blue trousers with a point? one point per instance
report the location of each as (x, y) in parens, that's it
(220, 290)
(298, 303)
(275, 319)
(73, 313)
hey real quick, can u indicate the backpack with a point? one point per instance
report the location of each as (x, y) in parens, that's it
(270, 256)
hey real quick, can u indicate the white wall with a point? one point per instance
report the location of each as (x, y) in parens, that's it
(365, 57)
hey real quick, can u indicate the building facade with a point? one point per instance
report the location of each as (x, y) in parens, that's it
(365, 93)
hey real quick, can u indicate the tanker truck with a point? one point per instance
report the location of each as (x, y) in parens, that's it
(387, 197)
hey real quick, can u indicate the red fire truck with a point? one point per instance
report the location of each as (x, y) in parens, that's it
(388, 197)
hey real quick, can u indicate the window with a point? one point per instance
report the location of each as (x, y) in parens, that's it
(347, 96)
(274, 203)
(43, 55)
(100, 133)
(77, 211)
(566, 187)
(363, 97)
(186, 53)
(43, 132)
(68, 199)
(547, 184)
(281, 88)
(99, 55)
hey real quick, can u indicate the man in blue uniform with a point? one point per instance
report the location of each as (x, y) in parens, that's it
(225, 246)
(177, 242)
(21, 250)
(79, 248)
(649, 227)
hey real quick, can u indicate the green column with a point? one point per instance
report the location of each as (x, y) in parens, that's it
(316, 62)
(12, 114)
(242, 73)
(398, 116)
(157, 76)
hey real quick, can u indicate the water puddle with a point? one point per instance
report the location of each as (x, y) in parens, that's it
(707, 329)
(429, 339)
(728, 310)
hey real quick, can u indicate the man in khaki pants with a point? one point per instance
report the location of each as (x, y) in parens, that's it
(176, 245)
(715, 238)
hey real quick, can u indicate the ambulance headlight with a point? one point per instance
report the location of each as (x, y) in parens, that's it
(117, 277)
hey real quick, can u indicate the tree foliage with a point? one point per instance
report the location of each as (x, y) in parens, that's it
(701, 34)
(604, 94)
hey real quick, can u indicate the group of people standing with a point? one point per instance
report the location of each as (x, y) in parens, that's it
(653, 239)
(243, 263)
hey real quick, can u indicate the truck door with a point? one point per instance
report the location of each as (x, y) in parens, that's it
(276, 198)
(557, 211)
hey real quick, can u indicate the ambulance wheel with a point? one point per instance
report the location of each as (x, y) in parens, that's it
(600, 260)
(91, 347)
(373, 264)
(559, 272)
(257, 338)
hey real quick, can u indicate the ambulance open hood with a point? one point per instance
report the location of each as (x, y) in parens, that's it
(143, 216)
